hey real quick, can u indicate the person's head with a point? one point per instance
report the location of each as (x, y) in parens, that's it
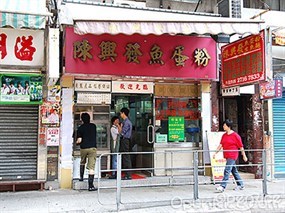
(227, 124)
(124, 112)
(85, 117)
(115, 120)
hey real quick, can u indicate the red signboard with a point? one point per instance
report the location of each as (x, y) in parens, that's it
(243, 61)
(188, 57)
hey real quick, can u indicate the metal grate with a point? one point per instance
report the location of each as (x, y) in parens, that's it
(18, 142)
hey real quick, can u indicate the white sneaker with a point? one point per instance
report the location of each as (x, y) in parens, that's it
(237, 188)
(220, 189)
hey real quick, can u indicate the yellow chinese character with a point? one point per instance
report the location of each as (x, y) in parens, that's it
(156, 54)
(178, 57)
(133, 52)
(240, 48)
(108, 51)
(201, 57)
(81, 50)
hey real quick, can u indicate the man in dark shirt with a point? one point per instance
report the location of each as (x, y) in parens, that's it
(126, 134)
(86, 138)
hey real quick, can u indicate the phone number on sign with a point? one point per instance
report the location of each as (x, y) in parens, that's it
(248, 78)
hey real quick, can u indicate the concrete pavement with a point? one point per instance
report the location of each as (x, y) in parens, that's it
(177, 198)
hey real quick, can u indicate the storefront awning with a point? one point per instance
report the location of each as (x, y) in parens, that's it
(23, 14)
(99, 19)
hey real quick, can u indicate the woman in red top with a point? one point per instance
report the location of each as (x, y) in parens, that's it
(231, 143)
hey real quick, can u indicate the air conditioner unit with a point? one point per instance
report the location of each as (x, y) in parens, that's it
(129, 3)
(230, 8)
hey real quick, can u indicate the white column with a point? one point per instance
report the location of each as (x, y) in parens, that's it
(66, 162)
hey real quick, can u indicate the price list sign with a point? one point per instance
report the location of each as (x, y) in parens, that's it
(176, 129)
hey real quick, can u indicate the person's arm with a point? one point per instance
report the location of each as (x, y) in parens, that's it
(79, 140)
(217, 150)
(243, 154)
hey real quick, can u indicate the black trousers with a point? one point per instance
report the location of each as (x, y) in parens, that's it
(126, 158)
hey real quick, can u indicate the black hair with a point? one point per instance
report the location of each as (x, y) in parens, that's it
(113, 119)
(229, 123)
(85, 117)
(125, 111)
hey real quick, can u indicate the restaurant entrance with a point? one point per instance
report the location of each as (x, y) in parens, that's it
(141, 116)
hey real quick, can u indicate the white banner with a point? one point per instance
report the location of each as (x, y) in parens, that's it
(132, 87)
(21, 47)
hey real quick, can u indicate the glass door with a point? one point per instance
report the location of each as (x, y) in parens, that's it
(141, 116)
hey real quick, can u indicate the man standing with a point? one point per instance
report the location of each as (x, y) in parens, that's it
(126, 135)
(115, 139)
(86, 137)
(230, 142)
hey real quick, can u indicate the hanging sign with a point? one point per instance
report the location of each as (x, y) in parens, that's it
(243, 61)
(132, 87)
(52, 135)
(21, 89)
(176, 129)
(271, 89)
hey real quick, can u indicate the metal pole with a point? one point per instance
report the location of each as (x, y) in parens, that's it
(196, 179)
(119, 181)
(264, 174)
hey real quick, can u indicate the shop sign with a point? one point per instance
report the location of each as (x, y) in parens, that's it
(92, 86)
(141, 55)
(271, 89)
(176, 129)
(52, 135)
(93, 98)
(231, 91)
(132, 87)
(21, 89)
(243, 61)
(21, 47)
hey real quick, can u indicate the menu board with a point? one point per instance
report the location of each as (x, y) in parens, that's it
(176, 129)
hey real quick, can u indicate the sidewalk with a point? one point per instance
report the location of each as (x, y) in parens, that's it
(149, 199)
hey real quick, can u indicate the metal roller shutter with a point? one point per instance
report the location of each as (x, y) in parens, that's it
(18, 142)
(279, 136)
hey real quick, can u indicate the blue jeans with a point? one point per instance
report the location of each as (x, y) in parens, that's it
(231, 168)
(114, 164)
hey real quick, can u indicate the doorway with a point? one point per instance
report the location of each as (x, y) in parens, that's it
(141, 116)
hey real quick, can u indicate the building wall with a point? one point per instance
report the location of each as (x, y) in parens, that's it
(208, 6)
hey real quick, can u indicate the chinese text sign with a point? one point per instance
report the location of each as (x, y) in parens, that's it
(243, 61)
(141, 55)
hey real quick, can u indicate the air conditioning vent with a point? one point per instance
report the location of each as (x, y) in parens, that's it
(230, 8)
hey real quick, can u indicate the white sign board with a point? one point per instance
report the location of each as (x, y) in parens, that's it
(21, 47)
(231, 91)
(132, 87)
(93, 98)
(92, 86)
(52, 136)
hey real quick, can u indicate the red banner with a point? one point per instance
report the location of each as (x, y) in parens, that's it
(141, 55)
(243, 61)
